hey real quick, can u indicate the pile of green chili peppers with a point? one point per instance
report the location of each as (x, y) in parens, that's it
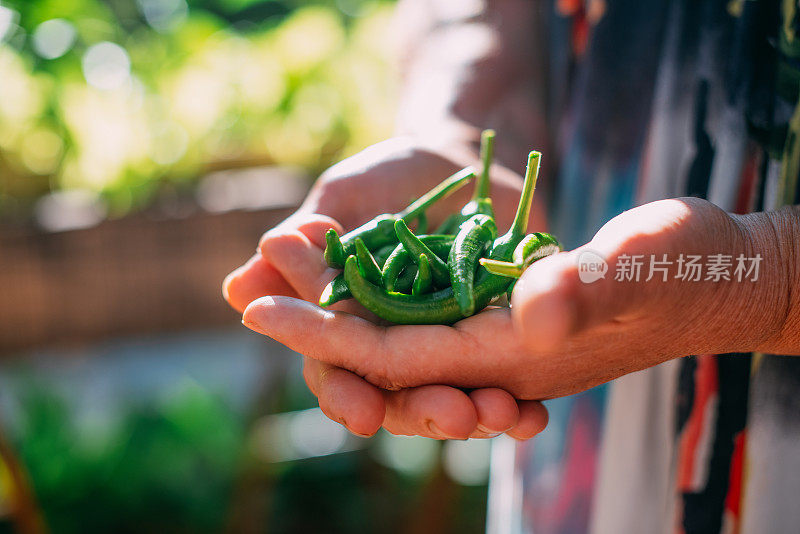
(444, 276)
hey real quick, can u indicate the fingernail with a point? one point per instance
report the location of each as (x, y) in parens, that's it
(435, 430)
(488, 432)
(250, 315)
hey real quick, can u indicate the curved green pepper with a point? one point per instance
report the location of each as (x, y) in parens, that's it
(423, 282)
(369, 267)
(474, 236)
(439, 307)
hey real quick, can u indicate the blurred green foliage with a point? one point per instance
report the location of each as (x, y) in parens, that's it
(121, 97)
(113, 444)
(165, 466)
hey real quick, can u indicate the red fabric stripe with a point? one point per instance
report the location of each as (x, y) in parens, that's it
(706, 387)
(747, 187)
(733, 500)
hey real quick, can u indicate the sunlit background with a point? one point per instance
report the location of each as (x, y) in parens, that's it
(144, 146)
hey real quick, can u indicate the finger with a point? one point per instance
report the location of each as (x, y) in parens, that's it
(439, 412)
(345, 397)
(551, 303)
(497, 411)
(389, 357)
(299, 261)
(254, 279)
(295, 249)
(533, 419)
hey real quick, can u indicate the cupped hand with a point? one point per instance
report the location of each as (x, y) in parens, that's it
(562, 335)
(289, 263)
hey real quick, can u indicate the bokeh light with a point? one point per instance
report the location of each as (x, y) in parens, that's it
(41, 150)
(8, 19)
(467, 462)
(163, 15)
(412, 456)
(53, 38)
(106, 66)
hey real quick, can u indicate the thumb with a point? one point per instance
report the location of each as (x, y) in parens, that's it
(551, 302)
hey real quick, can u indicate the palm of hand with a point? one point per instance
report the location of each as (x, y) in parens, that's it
(289, 263)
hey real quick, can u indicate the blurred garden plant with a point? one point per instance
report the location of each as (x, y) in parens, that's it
(122, 98)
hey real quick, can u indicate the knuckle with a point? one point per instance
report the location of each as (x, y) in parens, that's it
(268, 239)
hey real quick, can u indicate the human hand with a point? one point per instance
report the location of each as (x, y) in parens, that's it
(289, 262)
(563, 336)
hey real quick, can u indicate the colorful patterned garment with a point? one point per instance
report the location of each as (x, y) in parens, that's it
(658, 99)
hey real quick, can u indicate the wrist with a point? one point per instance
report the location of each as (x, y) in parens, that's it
(766, 301)
(774, 236)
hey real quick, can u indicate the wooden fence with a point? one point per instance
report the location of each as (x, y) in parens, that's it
(130, 276)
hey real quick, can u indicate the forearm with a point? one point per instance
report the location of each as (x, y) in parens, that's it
(467, 69)
(775, 236)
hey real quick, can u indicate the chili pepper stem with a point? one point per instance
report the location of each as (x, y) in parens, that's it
(487, 153)
(520, 225)
(443, 190)
(502, 268)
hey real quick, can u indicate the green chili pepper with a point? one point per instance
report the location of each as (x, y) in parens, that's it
(503, 247)
(334, 251)
(337, 289)
(400, 258)
(472, 240)
(535, 247)
(439, 271)
(380, 230)
(532, 248)
(423, 282)
(441, 307)
(369, 267)
(405, 282)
